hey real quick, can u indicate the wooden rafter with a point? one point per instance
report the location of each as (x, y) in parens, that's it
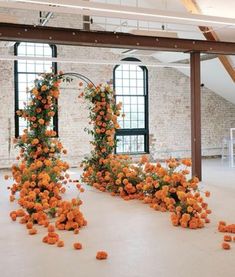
(210, 34)
(67, 36)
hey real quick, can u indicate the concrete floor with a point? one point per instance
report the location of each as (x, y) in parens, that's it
(140, 241)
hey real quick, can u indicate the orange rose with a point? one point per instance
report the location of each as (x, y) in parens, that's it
(227, 238)
(60, 243)
(32, 231)
(41, 121)
(101, 255)
(225, 246)
(77, 246)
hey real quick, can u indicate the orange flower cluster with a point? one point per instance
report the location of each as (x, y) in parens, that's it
(226, 228)
(165, 188)
(69, 216)
(103, 116)
(41, 175)
(52, 237)
(117, 176)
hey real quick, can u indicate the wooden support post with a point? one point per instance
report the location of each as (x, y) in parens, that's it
(196, 115)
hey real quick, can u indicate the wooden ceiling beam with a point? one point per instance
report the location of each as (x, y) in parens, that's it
(210, 35)
(67, 36)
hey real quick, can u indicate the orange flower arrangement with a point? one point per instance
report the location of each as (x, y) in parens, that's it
(41, 175)
(69, 216)
(165, 188)
(102, 169)
(168, 189)
(103, 115)
(52, 237)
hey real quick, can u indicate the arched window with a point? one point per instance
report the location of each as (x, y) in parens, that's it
(131, 88)
(26, 71)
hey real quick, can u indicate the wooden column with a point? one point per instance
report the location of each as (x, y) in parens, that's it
(196, 114)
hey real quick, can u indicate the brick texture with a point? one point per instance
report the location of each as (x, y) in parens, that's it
(169, 105)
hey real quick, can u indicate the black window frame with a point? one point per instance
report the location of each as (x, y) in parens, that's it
(136, 131)
(16, 87)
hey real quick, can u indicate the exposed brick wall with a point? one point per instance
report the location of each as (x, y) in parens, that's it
(6, 108)
(169, 106)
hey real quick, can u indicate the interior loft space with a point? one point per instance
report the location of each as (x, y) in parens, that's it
(117, 135)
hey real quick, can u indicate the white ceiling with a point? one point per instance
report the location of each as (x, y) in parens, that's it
(172, 5)
(225, 8)
(213, 74)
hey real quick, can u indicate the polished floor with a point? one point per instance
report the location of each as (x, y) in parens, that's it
(140, 241)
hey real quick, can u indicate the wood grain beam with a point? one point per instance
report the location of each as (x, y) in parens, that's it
(195, 78)
(67, 36)
(210, 35)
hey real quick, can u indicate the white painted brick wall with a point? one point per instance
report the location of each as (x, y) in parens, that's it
(169, 109)
(169, 104)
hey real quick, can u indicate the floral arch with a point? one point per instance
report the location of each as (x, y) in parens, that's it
(40, 177)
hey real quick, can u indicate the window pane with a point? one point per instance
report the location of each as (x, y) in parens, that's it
(133, 74)
(118, 74)
(22, 66)
(39, 51)
(29, 70)
(47, 51)
(21, 51)
(30, 66)
(130, 144)
(141, 124)
(30, 50)
(129, 85)
(39, 67)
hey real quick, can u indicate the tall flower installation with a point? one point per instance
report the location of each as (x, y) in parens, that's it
(165, 188)
(40, 176)
(103, 169)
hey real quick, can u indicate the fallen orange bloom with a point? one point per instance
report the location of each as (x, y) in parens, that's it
(227, 238)
(226, 246)
(29, 225)
(77, 246)
(51, 228)
(60, 243)
(32, 231)
(101, 255)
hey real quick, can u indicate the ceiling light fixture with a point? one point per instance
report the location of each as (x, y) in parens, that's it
(90, 62)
